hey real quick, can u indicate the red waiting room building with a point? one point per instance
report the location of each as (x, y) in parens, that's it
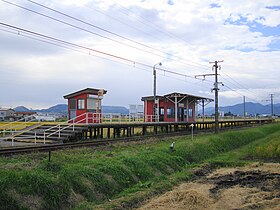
(84, 101)
(172, 107)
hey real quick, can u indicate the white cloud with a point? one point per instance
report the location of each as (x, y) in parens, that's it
(190, 29)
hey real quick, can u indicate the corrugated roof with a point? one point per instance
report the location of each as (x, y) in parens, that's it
(174, 94)
(86, 90)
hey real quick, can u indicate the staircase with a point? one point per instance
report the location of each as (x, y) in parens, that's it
(46, 133)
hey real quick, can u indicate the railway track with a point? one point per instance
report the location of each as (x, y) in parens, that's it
(87, 143)
(99, 142)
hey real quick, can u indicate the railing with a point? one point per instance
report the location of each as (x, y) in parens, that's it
(151, 118)
(13, 135)
(13, 126)
(121, 118)
(68, 124)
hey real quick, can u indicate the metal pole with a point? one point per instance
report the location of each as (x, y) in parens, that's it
(216, 98)
(244, 114)
(176, 109)
(155, 90)
(203, 110)
(13, 138)
(192, 130)
(59, 131)
(271, 100)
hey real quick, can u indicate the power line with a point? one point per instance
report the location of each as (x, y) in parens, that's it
(151, 24)
(194, 64)
(77, 27)
(69, 44)
(240, 93)
(237, 84)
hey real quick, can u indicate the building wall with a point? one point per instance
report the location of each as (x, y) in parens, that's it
(168, 109)
(92, 118)
(6, 114)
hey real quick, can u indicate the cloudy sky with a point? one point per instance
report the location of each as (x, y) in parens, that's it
(52, 48)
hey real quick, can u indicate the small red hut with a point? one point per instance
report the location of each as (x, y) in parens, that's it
(173, 107)
(83, 103)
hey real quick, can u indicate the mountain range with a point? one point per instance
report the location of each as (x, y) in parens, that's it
(237, 109)
(250, 109)
(62, 109)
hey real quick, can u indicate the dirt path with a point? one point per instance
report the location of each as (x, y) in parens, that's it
(252, 187)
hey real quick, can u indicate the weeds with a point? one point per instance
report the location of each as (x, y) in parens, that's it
(96, 176)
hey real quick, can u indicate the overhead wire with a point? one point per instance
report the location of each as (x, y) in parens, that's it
(151, 24)
(77, 27)
(69, 44)
(252, 99)
(194, 64)
(238, 84)
(118, 57)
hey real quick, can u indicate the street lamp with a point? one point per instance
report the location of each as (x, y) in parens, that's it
(155, 89)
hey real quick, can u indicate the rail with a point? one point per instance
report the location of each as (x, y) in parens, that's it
(93, 123)
(12, 126)
(169, 129)
(151, 118)
(13, 137)
(121, 118)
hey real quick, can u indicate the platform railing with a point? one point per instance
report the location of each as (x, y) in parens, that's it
(151, 118)
(16, 125)
(121, 118)
(83, 118)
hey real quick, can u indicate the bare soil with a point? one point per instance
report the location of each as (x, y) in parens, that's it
(256, 186)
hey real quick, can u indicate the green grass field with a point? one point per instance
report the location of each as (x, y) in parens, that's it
(89, 178)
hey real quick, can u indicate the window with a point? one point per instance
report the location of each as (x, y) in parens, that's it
(92, 103)
(72, 104)
(190, 113)
(170, 112)
(81, 103)
(161, 111)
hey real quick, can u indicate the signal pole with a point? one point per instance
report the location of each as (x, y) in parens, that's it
(216, 89)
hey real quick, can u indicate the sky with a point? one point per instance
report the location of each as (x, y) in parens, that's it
(49, 49)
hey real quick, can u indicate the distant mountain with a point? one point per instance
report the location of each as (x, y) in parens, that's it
(21, 109)
(250, 108)
(59, 108)
(115, 109)
(63, 109)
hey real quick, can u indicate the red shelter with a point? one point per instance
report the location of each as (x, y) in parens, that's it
(173, 107)
(85, 101)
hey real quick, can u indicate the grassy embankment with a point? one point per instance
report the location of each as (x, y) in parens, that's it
(89, 178)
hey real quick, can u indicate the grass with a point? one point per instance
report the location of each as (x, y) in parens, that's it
(87, 178)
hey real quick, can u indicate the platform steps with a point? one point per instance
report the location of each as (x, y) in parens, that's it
(49, 134)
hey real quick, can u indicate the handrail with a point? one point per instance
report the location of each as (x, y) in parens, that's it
(17, 125)
(151, 118)
(14, 134)
(18, 120)
(73, 123)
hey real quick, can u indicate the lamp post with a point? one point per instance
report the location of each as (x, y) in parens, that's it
(155, 89)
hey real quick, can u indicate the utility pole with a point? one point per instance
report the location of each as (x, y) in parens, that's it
(271, 101)
(244, 106)
(216, 89)
(155, 92)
